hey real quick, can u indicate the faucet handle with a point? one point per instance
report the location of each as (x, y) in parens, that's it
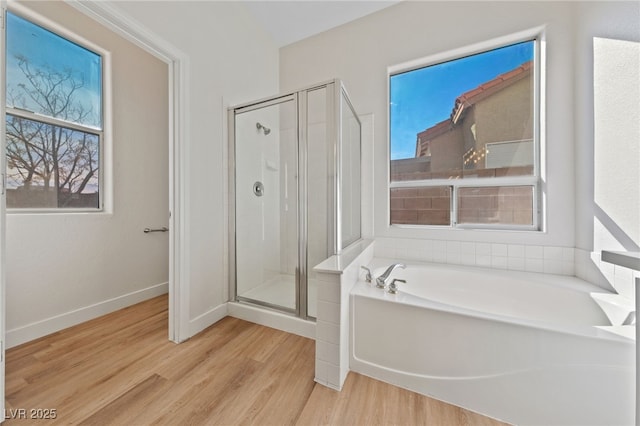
(367, 277)
(393, 287)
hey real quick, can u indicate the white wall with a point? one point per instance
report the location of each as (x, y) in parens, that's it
(64, 268)
(607, 143)
(360, 52)
(231, 60)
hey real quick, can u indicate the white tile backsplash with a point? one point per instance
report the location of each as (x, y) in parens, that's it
(552, 253)
(467, 247)
(515, 250)
(533, 265)
(483, 249)
(483, 260)
(568, 254)
(499, 250)
(515, 257)
(553, 266)
(515, 263)
(468, 259)
(499, 262)
(534, 252)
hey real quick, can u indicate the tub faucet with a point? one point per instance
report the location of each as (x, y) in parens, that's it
(393, 287)
(381, 281)
(368, 276)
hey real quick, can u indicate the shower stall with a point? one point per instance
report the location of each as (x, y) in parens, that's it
(294, 177)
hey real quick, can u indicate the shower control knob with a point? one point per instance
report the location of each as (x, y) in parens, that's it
(258, 189)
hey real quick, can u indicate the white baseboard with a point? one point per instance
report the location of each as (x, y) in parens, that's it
(47, 326)
(273, 319)
(203, 321)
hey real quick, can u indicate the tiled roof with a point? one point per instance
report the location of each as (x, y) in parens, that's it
(468, 99)
(435, 130)
(487, 89)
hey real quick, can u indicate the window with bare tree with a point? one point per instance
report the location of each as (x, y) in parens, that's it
(54, 120)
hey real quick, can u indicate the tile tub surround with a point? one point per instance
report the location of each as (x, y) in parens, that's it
(335, 277)
(514, 257)
(570, 261)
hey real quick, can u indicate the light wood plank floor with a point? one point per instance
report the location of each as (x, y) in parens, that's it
(120, 369)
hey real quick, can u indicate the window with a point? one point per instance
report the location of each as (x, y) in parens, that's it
(54, 120)
(464, 140)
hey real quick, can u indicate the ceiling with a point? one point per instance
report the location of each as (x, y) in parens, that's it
(291, 21)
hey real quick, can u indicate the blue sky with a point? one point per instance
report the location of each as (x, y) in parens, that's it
(45, 49)
(424, 97)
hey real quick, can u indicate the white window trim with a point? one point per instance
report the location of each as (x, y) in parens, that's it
(105, 177)
(539, 132)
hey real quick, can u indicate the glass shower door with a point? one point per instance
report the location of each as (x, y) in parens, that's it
(266, 211)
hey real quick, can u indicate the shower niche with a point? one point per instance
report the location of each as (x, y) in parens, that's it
(294, 189)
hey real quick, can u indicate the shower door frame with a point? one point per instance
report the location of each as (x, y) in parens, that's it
(334, 91)
(232, 112)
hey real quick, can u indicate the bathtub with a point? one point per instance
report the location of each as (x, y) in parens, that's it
(525, 348)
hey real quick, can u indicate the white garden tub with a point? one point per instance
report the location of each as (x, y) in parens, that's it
(522, 347)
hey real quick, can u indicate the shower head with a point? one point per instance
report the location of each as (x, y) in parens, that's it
(265, 129)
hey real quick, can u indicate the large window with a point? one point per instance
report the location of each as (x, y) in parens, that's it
(54, 120)
(464, 140)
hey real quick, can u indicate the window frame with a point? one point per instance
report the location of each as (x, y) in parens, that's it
(535, 180)
(104, 134)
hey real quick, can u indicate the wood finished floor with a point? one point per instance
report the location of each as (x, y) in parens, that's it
(120, 369)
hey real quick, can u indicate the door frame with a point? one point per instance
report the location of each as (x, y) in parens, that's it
(178, 87)
(3, 199)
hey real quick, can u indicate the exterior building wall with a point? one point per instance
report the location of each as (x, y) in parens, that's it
(421, 206)
(447, 150)
(506, 205)
(505, 116)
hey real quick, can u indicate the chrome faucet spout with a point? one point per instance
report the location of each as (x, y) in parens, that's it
(381, 281)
